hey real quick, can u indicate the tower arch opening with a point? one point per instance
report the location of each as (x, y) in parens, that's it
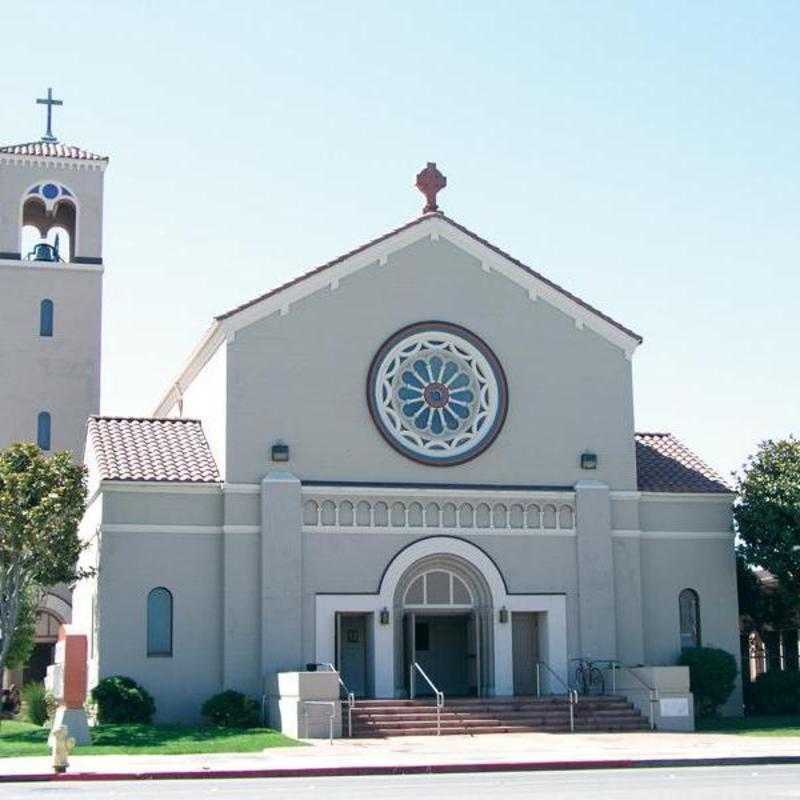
(48, 224)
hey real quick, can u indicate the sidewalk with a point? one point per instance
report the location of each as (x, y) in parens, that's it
(502, 752)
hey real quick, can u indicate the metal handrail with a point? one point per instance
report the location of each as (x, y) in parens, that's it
(439, 695)
(654, 698)
(351, 697)
(572, 694)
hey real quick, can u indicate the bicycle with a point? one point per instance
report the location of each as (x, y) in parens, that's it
(589, 677)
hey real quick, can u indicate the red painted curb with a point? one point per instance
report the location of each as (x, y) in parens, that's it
(317, 772)
(411, 769)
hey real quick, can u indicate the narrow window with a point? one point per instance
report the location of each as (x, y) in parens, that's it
(46, 318)
(689, 609)
(159, 622)
(43, 430)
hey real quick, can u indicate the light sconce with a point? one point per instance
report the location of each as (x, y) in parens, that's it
(280, 452)
(384, 616)
(503, 615)
(588, 460)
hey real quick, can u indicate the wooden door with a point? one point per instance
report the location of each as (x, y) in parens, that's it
(525, 646)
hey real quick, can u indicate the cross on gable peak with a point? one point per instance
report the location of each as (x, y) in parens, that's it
(430, 182)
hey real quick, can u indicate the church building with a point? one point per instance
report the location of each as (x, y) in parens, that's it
(421, 451)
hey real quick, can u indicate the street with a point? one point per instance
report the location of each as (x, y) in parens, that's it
(724, 783)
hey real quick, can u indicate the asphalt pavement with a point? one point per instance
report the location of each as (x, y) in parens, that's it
(690, 783)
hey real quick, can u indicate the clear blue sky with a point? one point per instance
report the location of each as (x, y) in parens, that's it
(644, 155)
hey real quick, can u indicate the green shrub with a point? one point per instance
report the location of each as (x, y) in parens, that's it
(121, 699)
(37, 702)
(713, 674)
(231, 709)
(776, 692)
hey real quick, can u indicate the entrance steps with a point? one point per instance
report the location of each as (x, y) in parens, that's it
(381, 718)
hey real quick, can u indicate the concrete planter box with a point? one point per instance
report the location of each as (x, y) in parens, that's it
(299, 704)
(674, 709)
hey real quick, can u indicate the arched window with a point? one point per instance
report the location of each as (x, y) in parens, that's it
(43, 430)
(689, 609)
(46, 318)
(438, 588)
(159, 622)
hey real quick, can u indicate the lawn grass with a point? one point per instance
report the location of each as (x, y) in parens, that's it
(24, 739)
(766, 725)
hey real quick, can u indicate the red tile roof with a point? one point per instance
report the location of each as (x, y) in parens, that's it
(51, 150)
(664, 464)
(150, 449)
(176, 450)
(405, 227)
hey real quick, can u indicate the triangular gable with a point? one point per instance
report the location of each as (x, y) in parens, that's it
(434, 226)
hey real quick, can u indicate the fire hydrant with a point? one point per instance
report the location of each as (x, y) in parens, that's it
(61, 743)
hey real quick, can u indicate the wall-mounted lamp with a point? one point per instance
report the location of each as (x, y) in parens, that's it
(588, 460)
(384, 616)
(503, 615)
(279, 452)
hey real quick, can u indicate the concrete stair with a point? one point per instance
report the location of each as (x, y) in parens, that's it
(381, 718)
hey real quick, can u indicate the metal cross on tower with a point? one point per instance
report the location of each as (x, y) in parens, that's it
(49, 102)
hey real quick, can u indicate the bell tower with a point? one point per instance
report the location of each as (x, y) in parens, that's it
(51, 281)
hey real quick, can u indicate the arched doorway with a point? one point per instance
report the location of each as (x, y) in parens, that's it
(444, 608)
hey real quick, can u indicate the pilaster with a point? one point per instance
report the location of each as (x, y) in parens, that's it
(281, 574)
(595, 557)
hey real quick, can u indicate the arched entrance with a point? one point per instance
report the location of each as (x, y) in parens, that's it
(472, 587)
(444, 606)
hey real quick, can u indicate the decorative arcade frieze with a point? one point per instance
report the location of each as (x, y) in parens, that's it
(371, 510)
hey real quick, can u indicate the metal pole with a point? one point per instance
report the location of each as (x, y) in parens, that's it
(350, 716)
(538, 680)
(613, 677)
(652, 710)
(571, 713)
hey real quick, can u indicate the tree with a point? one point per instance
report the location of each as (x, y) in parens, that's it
(768, 513)
(24, 636)
(763, 604)
(42, 501)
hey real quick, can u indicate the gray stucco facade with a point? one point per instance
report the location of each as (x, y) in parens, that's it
(272, 565)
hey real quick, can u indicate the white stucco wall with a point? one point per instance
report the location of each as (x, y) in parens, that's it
(206, 399)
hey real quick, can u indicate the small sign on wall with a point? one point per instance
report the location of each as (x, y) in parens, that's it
(674, 706)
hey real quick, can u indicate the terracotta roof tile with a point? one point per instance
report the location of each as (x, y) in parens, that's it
(51, 150)
(150, 449)
(664, 464)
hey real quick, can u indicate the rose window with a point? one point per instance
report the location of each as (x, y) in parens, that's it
(437, 393)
